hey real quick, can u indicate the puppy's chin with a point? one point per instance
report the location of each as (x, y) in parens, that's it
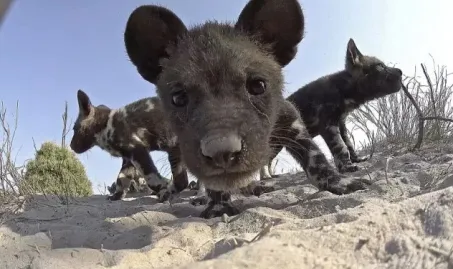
(398, 87)
(392, 89)
(230, 182)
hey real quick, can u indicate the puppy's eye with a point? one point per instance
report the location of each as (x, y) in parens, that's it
(179, 98)
(256, 86)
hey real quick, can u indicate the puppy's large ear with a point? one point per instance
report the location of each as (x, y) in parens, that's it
(84, 103)
(353, 54)
(149, 31)
(276, 23)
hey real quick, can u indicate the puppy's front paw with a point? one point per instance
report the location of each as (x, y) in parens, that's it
(119, 195)
(202, 200)
(348, 168)
(217, 210)
(356, 159)
(257, 188)
(166, 193)
(339, 185)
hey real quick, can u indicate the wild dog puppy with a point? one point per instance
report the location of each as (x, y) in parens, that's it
(138, 183)
(325, 103)
(131, 132)
(221, 86)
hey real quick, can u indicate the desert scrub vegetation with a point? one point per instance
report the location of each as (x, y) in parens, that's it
(421, 112)
(54, 170)
(10, 172)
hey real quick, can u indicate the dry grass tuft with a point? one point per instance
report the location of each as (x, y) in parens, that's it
(422, 111)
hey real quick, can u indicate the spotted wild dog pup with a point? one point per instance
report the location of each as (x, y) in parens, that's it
(131, 132)
(221, 86)
(138, 183)
(325, 103)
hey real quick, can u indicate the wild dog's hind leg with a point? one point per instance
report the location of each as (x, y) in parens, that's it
(264, 172)
(123, 181)
(193, 185)
(332, 136)
(275, 150)
(180, 179)
(143, 162)
(202, 195)
(112, 187)
(256, 186)
(302, 147)
(347, 141)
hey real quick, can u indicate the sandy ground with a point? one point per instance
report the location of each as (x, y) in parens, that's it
(405, 220)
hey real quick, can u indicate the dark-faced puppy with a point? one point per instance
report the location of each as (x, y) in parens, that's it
(221, 86)
(325, 103)
(131, 132)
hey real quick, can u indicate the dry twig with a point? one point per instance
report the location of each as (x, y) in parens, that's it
(10, 173)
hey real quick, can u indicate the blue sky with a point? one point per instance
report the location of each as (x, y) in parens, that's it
(49, 49)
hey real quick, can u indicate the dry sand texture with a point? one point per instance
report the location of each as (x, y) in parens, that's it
(405, 220)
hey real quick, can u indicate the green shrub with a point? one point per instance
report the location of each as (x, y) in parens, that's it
(56, 170)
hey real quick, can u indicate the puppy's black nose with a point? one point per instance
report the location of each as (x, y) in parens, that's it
(221, 150)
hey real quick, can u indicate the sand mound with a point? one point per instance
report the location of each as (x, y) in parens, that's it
(405, 220)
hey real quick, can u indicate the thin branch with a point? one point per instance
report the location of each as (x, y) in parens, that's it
(65, 130)
(421, 122)
(431, 91)
(437, 118)
(10, 176)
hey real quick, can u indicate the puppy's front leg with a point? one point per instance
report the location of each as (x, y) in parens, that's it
(344, 135)
(301, 146)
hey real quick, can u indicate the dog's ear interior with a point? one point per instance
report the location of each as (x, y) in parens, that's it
(84, 103)
(275, 23)
(353, 54)
(150, 30)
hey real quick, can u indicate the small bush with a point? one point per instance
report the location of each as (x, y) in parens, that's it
(56, 170)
